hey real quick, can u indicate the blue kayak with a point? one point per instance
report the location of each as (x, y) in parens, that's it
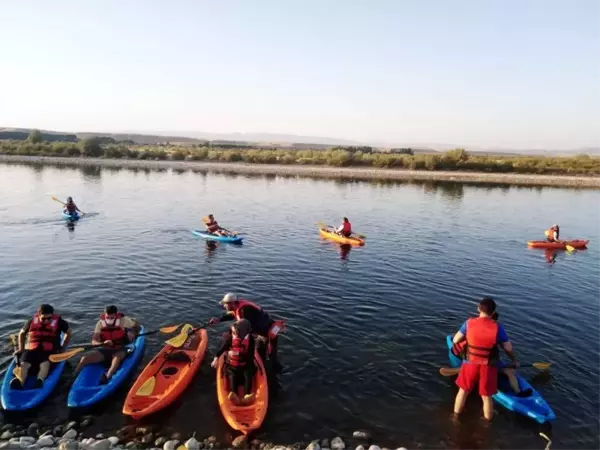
(215, 237)
(29, 397)
(72, 217)
(533, 406)
(87, 390)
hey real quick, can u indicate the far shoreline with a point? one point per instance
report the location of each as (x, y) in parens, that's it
(323, 172)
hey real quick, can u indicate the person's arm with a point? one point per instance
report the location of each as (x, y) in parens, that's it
(506, 345)
(225, 345)
(23, 337)
(96, 339)
(460, 334)
(67, 338)
(226, 317)
(63, 326)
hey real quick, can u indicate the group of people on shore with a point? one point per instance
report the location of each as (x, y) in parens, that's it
(47, 333)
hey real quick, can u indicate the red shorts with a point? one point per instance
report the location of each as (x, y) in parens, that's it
(487, 376)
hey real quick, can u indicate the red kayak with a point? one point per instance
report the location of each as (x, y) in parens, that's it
(576, 243)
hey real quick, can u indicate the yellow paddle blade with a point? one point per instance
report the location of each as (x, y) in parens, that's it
(542, 365)
(146, 389)
(58, 357)
(449, 371)
(570, 248)
(170, 329)
(205, 219)
(17, 373)
(180, 339)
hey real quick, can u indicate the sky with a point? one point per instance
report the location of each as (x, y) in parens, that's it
(494, 74)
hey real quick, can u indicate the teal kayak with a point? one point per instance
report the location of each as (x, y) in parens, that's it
(72, 217)
(29, 397)
(533, 406)
(235, 239)
(87, 390)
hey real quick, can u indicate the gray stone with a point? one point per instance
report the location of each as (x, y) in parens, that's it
(58, 430)
(68, 445)
(160, 441)
(147, 438)
(6, 435)
(176, 437)
(171, 445)
(211, 440)
(360, 447)
(338, 444)
(374, 447)
(7, 427)
(26, 440)
(143, 430)
(71, 425)
(113, 440)
(70, 434)
(45, 441)
(103, 444)
(313, 446)
(132, 445)
(361, 434)
(325, 443)
(401, 448)
(240, 441)
(99, 436)
(33, 430)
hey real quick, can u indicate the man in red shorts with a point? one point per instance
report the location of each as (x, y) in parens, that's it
(483, 335)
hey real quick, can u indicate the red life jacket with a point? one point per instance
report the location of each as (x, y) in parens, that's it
(482, 334)
(241, 304)
(459, 349)
(238, 355)
(71, 207)
(347, 228)
(44, 334)
(213, 226)
(113, 332)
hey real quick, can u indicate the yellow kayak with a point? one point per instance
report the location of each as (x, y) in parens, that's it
(328, 233)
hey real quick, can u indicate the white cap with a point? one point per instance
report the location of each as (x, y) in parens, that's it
(230, 297)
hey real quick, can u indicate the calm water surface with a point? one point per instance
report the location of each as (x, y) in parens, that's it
(366, 327)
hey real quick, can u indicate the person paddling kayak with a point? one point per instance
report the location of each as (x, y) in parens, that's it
(483, 335)
(345, 229)
(260, 321)
(43, 334)
(460, 350)
(553, 233)
(114, 330)
(239, 359)
(213, 227)
(71, 208)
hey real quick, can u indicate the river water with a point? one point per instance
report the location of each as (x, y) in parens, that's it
(366, 326)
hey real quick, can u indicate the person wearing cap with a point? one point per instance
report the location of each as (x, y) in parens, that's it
(260, 321)
(38, 339)
(113, 331)
(553, 233)
(483, 335)
(70, 207)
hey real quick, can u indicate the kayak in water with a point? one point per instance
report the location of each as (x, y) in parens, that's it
(87, 390)
(576, 243)
(328, 233)
(165, 378)
(244, 417)
(75, 216)
(533, 406)
(30, 396)
(234, 239)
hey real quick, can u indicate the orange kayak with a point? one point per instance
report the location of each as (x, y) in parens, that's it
(248, 417)
(173, 369)
(576, 243)
(329, 234)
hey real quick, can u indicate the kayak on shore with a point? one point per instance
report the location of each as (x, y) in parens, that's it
(244, 417)
(328, 233)
(165, 378)
(235, 239)
(561, 245)
(87, 390)
(533, 406)
(29, 397)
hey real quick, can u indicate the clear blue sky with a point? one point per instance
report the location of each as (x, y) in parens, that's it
(510, 73)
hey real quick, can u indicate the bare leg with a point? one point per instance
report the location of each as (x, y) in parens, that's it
(512, 379)
(25, 366)
(115, 363)
(488, 407)
(92, 358)
(459, 402)
(43, 371)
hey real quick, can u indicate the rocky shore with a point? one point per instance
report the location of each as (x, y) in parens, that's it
(73, 436)
(348, 173)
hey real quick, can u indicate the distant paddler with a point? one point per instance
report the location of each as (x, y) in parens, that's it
(213, 227)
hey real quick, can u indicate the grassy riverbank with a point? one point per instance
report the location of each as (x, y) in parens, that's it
(457, 160)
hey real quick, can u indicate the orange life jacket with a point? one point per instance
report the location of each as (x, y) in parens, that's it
(459, 349)
(238, 355)
(346, 228)
(550, 233)
(113, 332)
(243, 303)
(482, 334)
(44, 334)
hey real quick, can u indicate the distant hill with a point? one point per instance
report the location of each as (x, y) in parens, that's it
(21, 134)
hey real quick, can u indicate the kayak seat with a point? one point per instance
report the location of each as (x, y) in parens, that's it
(168, 371)
(178, 357)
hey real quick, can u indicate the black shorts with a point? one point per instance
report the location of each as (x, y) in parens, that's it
(35, 357)
(109, 353)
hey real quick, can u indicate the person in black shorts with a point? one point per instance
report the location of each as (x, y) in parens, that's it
(38, 339)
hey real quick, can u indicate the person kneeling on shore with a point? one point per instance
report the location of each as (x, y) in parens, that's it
(113, 331)
(43, 335)
(239, 346)
(460, 351)
(483, 335)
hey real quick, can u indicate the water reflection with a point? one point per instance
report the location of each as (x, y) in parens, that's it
(550, 256)
(92, 173)
(447, 189)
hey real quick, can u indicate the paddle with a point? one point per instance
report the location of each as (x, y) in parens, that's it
(322, 225)
(569, 248)
(58, 357)
(451, 371)
(17, 370)
(147, 388)
(57, 200)
(180, 339)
